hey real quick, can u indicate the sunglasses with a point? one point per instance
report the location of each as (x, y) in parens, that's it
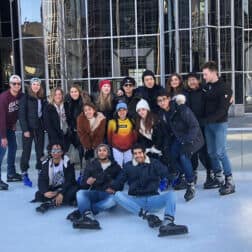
(16, 83)
(128, 85)
(56, 151)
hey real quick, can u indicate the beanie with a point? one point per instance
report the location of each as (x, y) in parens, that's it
(142, 104)
(128, 80)
(103, 82)
(148, 73)
(35, 79)
(121, 105)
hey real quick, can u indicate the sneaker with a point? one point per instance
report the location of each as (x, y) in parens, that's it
(3, 185)
(190, 192)
(172, 229)
(86, 221)
(14, 178)
(75, 215)
(228, 187)
(26, 180)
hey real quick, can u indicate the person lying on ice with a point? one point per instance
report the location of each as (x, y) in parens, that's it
(56, 181)
(143, 175)
(93, 198)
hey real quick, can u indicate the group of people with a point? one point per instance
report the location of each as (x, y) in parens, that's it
(149, 136)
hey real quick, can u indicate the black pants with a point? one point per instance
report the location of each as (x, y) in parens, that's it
(68, 197)
(37, 135)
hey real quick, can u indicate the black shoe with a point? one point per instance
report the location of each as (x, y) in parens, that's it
(181, 183)
(216, 182)
(190, 192)
(172, 229)
(14, 178)
(75, 215)
(86, 221)
(3, 185)
(209, 180)
(228, 187)
(153, 220)
(44, 207)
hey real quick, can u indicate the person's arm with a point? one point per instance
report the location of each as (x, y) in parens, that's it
(83, 134)
(87, 180)
(98, 135)
(110, 131)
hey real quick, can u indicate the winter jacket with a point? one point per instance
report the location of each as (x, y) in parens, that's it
(217, 97)
(9, 106)
(28, 112)
(150, 95)
(104, 178)
(143, 179)
(69, 176)
(88, 138)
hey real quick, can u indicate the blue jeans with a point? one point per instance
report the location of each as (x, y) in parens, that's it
(94, 201)
(182, 162)
(12, 149)
(149, 203)
(216, 139)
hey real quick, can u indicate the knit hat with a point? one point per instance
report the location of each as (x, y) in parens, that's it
(148, 73)
(102, 145)
(193, 75)
(103, 82)
(35, 79)
(128, 80)
(121, 105)
(142, 104)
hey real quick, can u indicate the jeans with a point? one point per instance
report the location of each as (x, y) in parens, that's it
(216, 139)
(12, 149)
(149, 203)
(182, 162)
(122, 157)
(96, 201)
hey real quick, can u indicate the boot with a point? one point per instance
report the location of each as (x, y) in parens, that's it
(75, 215)
(216, 182)
(228, 187)
(170, 228)
(3, 185)
(190, 191)
(153, 220)
(14, 178)
(44, 207)
(209, 180)
(195, 176)
(86, 221)
(180, 183)
(26, 180)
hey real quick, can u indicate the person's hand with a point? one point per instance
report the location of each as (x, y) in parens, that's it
(4, 142)
(59, 199)
(231, 101)
(119, 92)
(27, 134)
(110, 190)
(50, 194)
(91, 180)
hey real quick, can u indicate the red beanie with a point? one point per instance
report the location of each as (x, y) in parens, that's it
(103, 82)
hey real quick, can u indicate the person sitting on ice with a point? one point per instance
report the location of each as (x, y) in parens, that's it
(56, 181)
(143, 175)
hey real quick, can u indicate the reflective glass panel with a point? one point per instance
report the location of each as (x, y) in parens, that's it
(31, 18)
(100, 57)
(238, 88)
(212, 12)
(169, 15)
(198, 49)
(170, 56)
(184, 52)
(198, 12)
(238, 7)
(225, 12)
(183, 13)
(238, 50)
(147, 17)
(34, 61)
(98, 18)
(225, 49)
(123, 16)
(212, 40)
(124, 56)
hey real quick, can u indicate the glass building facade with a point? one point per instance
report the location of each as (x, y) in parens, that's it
(83, 41)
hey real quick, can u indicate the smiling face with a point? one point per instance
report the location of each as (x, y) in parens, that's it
(128, 88)
(74, 93)
(89, 112)
(163, 102)
(149, 81)
(193, 83)
(142, 112)
(210, 76)
(35, 87)
(58, 97)
(15, 86)
(122, 113)
(102, 153)
(139, 155)
(56, 153)
(106, 89)
(175, 82)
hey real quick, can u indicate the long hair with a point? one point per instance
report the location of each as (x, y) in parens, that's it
(38, 95)
(149, 122)
(53, 92)
(171, 91)
(91, 105)
(103, 102)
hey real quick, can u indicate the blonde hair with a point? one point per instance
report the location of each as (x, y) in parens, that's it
(52, 94)
(104, 102)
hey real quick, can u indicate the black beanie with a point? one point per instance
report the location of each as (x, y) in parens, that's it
(148, 73)
(127, 80)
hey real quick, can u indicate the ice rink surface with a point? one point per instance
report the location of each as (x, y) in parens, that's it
(216, 223)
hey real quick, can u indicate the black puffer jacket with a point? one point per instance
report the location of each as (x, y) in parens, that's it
(28, 112)
(143, 179)
(104, 178)
(69, 176)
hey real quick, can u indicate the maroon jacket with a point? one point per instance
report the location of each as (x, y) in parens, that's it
(9, 106)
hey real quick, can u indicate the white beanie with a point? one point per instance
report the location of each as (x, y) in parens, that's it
(180, 99)
(142, 104)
